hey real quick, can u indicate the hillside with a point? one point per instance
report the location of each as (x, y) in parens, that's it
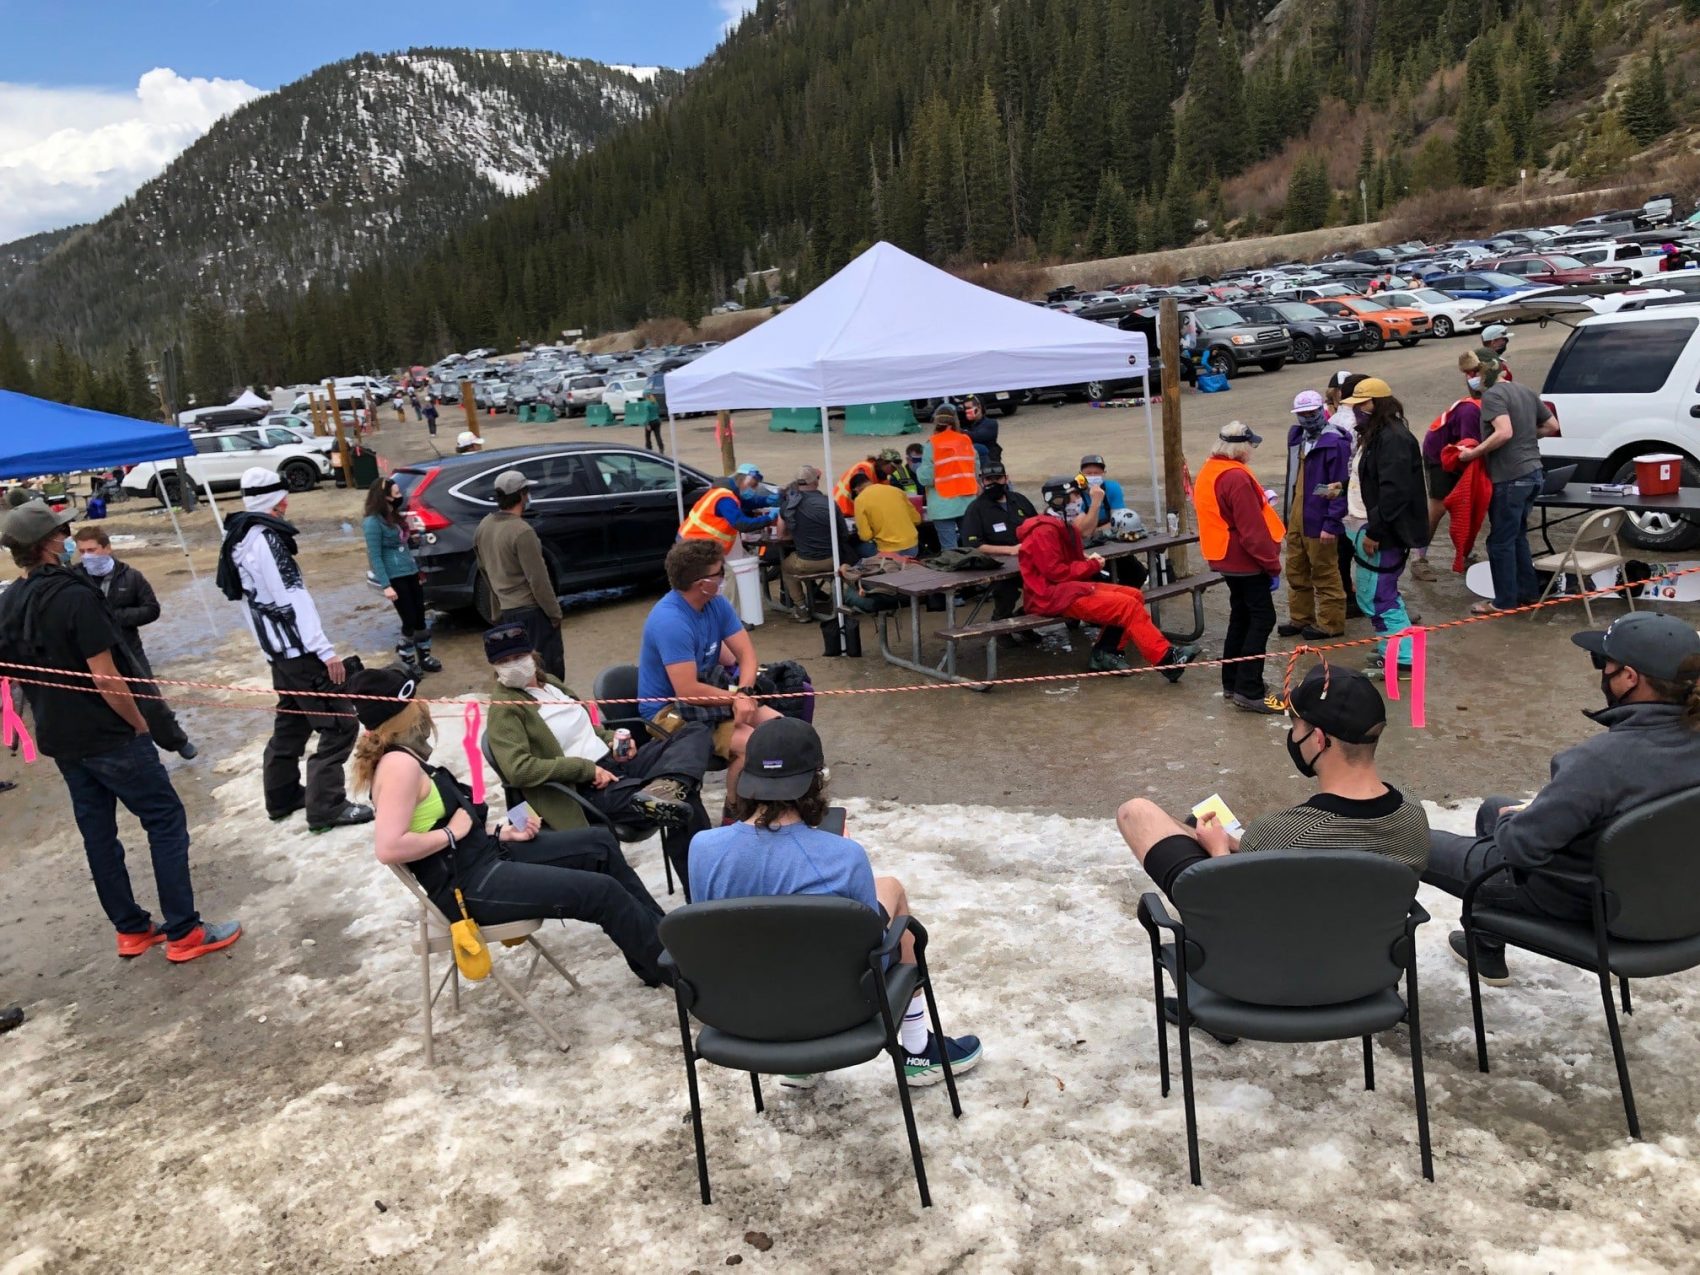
(308, 184)
(21, 255)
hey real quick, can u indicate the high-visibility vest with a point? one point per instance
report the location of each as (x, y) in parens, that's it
(1212, 527)
(953, 464)
(841, 493)
(705, 523)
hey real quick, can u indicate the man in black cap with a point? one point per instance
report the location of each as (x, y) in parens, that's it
(510, 556)
(777, 847)
(1649, 667)
(1337, 719)
(989, 526)
(1094, 471)
(87, 721)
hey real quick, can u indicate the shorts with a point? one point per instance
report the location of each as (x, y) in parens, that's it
(1440, 481)
(671, 718)
(1169, 858)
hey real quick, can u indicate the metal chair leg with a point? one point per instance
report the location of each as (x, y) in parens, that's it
(513, 994)
(938, 1035)
(560, 969)
(667, 866)
(696, 1103)
(755, 1088)
(1186, 1095)
(1369, 1063)
(1162, 1022)
(454, 983)
(1475, 1000)
(909, 1124)
(1414, 1020)
(1617, 1055)
(1623, 991)
(425, 970)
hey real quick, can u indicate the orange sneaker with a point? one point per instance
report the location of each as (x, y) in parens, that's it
(204, 938)
(131, 946)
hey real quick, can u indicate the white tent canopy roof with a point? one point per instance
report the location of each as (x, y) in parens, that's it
(248, 400)
(889, 326)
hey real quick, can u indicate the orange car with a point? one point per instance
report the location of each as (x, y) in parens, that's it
(1382, 322)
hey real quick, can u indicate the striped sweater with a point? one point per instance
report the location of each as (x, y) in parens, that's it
(1387, 825)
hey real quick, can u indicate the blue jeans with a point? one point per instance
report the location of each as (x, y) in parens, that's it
(949, 532)
(132, 774)
(1508, 554)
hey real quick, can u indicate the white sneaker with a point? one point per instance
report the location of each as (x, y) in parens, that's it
(798, 1082)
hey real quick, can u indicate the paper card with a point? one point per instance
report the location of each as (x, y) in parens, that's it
(517, 815)
(1214, 805)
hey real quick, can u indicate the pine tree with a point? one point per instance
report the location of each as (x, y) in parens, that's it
(1111, 234)
(1309, 196)
(15, 373)
(1646, 105)
(137, 393)
(60, 381)
(986, 161)
(1469, 148)
(1576, 46)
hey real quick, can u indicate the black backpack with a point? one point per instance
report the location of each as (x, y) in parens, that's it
(790, 681)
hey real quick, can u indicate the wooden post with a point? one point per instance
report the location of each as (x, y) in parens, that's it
(343, 458)
(723, 432)
(371, 411)
(1174, 454)
(469, 404)
(313, 414)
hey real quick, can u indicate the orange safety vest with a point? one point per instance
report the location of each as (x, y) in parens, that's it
(953, 464)
(841, 493)
(1212, 527)
(704, 523)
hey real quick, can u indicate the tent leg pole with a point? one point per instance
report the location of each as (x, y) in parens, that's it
(678, 474)
(828, 480)
(1157, 525)
(194, 577)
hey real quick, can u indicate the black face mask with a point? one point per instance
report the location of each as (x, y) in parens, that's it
(397, 501)
(1305, 768)
(1612, 701)
(996, 491)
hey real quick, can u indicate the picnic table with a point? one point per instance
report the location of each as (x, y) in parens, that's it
(1577, 496)
(917, 583)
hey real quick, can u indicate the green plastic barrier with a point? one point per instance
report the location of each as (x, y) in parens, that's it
(795, 420)
(642, 412)
(599, 414)
(542, 413)
(880, 418)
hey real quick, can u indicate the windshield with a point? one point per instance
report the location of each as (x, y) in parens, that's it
(1432, 295)
(1493, 279)
(1217, 319)
(1368, 303)
(1561, 262)
(1298, 311)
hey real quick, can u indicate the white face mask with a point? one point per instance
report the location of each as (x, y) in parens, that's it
(1073, 509)
(517, 673)
(98, 564)
(1474, 382)
(1094, 480)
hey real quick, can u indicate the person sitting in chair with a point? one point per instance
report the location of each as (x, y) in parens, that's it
(1649, 668)
(777, 848)
(540, 734)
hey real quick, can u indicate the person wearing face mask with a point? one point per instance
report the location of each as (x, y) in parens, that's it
(1060, 578)
(1319, 460)
(1240, 536)
(133, 604)
(1458, 426)
(903, 476)
(990, 525)
(428, 823)
(1390, 476)
(1337, 720)
(1649, 674)
(730, 507)
(397, 574)
(948, 466)
(541, 736)
(510, 555)
(1093, 470)
(1345, 420)
(692, 640)
(87, 720)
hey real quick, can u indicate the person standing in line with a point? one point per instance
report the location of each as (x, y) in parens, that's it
(511, 558)
(947, 472)
(413, 398)
(131, 600)
(87, 721)
(1240, 537)
(1460, 424)
(431, 416)
(1319, 458)
(1496, 337)
(1515, 420)
(1390, 474)
(1345, 420)
(397, 574)
(257, 566)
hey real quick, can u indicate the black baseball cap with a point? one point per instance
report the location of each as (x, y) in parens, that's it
(1092, 460)
(993, 471)
(391, 684)
(1341, 702)
(1657, 645)
(780, 761)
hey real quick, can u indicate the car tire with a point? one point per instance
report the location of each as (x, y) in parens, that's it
(1009, 409)
(1443, 326)
(298, 476)
(1094, 391)
(1408, 341)
(1273, 365)
(165, 488)
(1303, 350)
(1221, 362)
(1659, 532)
(1372, 339)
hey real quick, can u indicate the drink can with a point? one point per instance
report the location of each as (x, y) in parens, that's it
(622, 742)
(1174, 523)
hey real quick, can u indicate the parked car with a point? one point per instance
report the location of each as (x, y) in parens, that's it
(1625, 385)
(1228, 344)
(1479, 285)
(1643, 258)
(1555, 269)
(1447, 314)
(579, 394)
(1314, 292)
(1313, 331)
(727, 307)
(220, 459)
(606, 514)
(1382, 322)
(621, 390)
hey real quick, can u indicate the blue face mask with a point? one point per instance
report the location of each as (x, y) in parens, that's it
(65, 554)
(99, 564)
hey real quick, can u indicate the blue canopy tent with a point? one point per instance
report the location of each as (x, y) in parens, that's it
(40, 437)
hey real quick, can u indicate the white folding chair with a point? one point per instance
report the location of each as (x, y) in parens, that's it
(434, 938)
(1595, 548)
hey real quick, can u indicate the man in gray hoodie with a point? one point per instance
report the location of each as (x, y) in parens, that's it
(1649, 668)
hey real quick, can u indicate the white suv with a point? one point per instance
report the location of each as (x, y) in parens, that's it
(221, 458)
(1625, 385)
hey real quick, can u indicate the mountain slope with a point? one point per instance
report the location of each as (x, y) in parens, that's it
(307, 184)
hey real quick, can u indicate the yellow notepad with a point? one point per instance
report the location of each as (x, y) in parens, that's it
(1214, 805)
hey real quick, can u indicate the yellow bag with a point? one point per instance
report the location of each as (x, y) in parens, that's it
(472, 957)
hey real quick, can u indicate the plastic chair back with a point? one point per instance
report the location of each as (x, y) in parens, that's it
(1298, 927)
(1651, 873)
(776, 969)
(619, 682)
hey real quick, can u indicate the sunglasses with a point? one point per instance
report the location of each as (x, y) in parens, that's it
(714, 575)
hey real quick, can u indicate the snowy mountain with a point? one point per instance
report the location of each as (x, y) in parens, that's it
(374, 154)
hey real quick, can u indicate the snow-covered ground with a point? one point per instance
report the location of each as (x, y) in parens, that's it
(281, 1117)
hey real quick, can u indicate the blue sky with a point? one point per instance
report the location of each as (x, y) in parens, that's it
(97, 96)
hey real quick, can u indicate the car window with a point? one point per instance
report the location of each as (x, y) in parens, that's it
(1216, 318)
(1298, 311)
(586, 383)
(630, 471)
(1563, 263)
(206, 446)
(276, 437)
(237, 443)
(563, 476)
(1368, 303)
(1497, 279)
(1624, 358)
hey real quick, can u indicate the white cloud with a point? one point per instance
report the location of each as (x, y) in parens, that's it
(734, 11)
(73, 154)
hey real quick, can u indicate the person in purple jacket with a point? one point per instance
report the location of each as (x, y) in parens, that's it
(1318, 454)
(1462, 424)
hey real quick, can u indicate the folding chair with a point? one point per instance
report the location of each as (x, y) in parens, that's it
(792, 985)
(1645, 897)
(434, 939)
(1595, 548)
(1290, 945)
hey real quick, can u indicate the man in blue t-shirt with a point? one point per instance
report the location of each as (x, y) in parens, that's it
(1092, 469)
(778, 848)
(692, 641)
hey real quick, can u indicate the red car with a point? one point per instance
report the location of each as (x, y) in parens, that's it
(1553, 269)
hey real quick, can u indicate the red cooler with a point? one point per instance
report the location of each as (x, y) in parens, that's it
(1658, 475)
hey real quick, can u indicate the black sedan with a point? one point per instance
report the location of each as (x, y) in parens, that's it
(1313, 332)
(606, 514)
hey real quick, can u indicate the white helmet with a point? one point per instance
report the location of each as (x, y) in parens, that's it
(1126, 522)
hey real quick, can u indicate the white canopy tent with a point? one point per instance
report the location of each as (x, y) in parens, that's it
(889, 327)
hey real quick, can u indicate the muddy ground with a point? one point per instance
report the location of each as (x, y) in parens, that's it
(267, 1108)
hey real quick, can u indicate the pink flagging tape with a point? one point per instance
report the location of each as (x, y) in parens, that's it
(1419, 672)
(12, 728)
(474, 754)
